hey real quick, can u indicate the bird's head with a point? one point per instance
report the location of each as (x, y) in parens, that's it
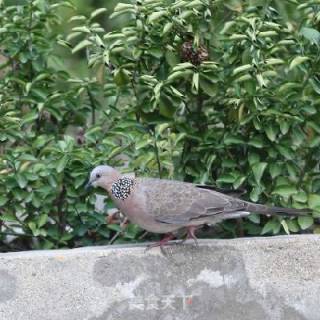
(103, 176)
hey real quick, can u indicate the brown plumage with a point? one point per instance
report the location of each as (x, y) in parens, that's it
(166, 206)
(195, 55)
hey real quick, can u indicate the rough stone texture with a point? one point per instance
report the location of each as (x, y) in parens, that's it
(257, 278)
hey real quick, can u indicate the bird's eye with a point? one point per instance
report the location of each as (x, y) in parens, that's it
(98, 175)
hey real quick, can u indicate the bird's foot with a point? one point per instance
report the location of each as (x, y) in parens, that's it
(124, 223)
(191, 235)
(162, 242)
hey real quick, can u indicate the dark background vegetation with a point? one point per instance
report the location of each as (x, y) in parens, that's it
(217, 92)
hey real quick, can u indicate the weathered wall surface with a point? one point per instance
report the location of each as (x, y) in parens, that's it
(257, 278)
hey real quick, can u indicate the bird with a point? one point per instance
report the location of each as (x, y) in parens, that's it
(169, 206)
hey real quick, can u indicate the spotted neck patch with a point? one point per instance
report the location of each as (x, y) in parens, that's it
(122, 188)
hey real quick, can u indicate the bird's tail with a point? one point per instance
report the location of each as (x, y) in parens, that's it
(261, 209)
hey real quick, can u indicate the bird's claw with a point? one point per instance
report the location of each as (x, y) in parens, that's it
(161, 243)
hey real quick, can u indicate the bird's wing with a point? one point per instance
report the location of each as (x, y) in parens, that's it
(230, 192)
(175, 202)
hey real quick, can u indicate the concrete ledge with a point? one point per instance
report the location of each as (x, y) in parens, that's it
(256, 278)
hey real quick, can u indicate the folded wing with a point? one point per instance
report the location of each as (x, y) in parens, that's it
(180, 203)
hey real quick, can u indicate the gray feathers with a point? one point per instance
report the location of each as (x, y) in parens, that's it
(181, 203)
(176, 202)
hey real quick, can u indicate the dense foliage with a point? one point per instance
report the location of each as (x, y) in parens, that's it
(216, 92)
(48, 138)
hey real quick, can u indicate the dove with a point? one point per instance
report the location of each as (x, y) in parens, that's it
(168, 206)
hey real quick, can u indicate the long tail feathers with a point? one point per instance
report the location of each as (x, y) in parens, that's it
(258, 208)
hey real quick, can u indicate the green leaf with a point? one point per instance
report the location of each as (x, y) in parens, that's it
(305, 222)
(66, 237)
(97, 12)
(22, 181)
(284, 127)
(314, 201)
(275, 170)
(256, 142)
(226, 178)
(179, 75)
(156, 52)
(301, 197)
(274, 61)
(167, 28)
(244, 78)
(208, 87)
(121, 77)
(172, 58)
(272, 226)
(81, 230)
(3, 200)
(123, 6)
(230, 139)
(285, 226)
(285, 151)
(42, 220)
(176, 92)
(43, 232)
(28, 157)
(285, 190)
(166, 107)
(77, 18)
(194, 4)
(297, 61)
(244, 68)
(253, 158)
(311, 34)
(30, 117)
(239, 181)
(104, 232)
(271, 132)
(270, 33)
(315, 83)
(119, 13)
(82, 29)
(255, 193)
(255, 218)
(195, 82)
(61, 163)
(258, 170)
(156, 16)
(81, 45)
(132, 230)
(33, 228)
(114, 227)
(314, 142)
(293, 225)
(6, 217)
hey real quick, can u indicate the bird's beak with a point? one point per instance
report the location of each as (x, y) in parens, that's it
(88, 185)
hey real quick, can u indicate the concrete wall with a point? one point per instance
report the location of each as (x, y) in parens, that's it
(257, 278)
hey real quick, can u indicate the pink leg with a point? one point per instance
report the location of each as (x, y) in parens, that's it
(190, 234)
(162, 242)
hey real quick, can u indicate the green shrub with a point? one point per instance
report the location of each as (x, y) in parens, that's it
(48, 138)
(228, 94)
(216, 92)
